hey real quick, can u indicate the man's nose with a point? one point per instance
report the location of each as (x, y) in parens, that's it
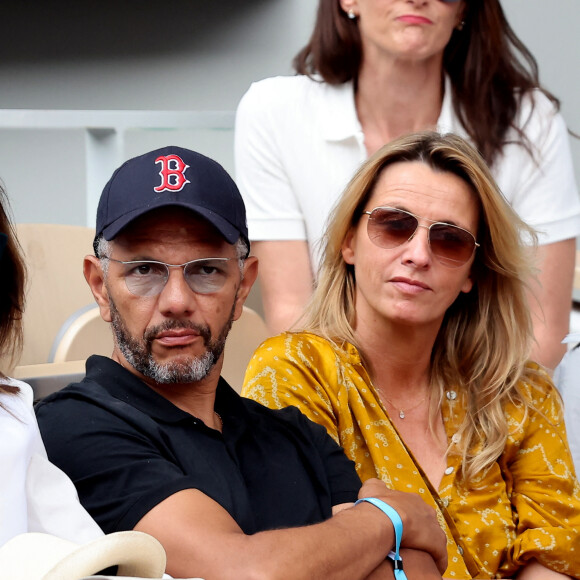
(177, 297)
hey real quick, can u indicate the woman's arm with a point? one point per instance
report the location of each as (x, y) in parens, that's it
(535, 571)
(544, 491)
(551, 300)
(277, 225)
(286, 281)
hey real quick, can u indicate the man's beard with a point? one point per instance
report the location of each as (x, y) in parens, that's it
(138, 352)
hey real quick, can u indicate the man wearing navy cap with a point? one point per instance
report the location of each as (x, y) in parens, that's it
(156, 441)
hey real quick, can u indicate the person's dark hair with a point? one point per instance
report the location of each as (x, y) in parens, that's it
(489, 67)
(13, 276)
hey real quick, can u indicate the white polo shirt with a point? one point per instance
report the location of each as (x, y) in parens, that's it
(299, 141)
(35, 496)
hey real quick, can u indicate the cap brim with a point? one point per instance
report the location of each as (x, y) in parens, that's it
(224, 227)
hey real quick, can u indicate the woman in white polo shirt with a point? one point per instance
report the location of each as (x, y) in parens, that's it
(372, 71)
(35, 496)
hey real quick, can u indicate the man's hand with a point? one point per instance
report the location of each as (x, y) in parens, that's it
(421, 530)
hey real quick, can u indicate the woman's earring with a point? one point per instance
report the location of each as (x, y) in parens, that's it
(351, 14)
(460, 25)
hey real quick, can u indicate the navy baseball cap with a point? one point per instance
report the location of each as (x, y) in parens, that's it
(172, 176)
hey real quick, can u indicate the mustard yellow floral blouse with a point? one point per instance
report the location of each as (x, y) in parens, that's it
(527, 505)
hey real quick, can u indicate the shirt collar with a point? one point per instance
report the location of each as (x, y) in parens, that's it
(448, 121)
(339, 120)
(123, 385)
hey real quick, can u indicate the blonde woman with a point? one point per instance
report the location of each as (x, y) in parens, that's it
(414, 356)
(374, 70)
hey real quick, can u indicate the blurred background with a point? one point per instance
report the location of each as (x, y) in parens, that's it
(176, 56)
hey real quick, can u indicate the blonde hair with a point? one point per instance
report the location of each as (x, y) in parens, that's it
(484, 341)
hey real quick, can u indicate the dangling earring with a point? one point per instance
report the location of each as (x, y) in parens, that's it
(351, 14)
(460, 25)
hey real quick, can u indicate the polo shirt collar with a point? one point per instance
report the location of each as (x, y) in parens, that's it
(339, 120)
(448, 121)
(128, 388)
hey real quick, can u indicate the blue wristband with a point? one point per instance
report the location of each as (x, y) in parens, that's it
(395, 518)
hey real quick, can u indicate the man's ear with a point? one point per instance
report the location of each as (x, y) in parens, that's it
(250, 275)
(95, 277)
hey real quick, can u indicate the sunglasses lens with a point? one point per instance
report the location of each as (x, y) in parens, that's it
(208, 276)
(145, 278)
(453, 246)
(389, 228)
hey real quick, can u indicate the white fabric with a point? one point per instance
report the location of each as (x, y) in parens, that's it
(567, 380)
(34, 556)
(35, 496)
(299, 141)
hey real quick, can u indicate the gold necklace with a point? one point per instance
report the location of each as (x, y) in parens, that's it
(402, 411)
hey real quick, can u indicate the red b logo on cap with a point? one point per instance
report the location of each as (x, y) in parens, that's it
(172, 173)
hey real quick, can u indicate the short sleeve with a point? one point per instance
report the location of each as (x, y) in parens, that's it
(272, 207)
(343, 480)
(139, 473)
(545, 491)
(540, 184)
(53, 504)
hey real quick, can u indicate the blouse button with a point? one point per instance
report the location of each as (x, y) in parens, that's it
(445, 502)
(451, 395)
(449, 470)
(460, 550)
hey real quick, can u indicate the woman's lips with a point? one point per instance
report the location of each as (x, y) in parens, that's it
(414, 19)
(409, 286)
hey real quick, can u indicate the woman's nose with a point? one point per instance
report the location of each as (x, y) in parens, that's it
(416, 250)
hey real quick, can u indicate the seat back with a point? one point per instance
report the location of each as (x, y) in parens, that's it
(83, 334)
(56, 285)
(247, 333)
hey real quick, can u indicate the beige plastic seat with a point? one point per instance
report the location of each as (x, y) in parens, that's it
(247, 333)
(56, 286)
(83, 334)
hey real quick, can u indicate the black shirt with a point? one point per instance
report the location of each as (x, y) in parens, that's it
(127, 448)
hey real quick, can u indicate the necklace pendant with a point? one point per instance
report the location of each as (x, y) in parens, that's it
(402, 414)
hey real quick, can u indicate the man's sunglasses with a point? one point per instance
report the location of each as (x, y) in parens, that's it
(389, 227)
(204, 276)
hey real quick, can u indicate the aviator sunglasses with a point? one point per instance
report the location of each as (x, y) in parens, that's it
(204, 276)
(389, 227)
